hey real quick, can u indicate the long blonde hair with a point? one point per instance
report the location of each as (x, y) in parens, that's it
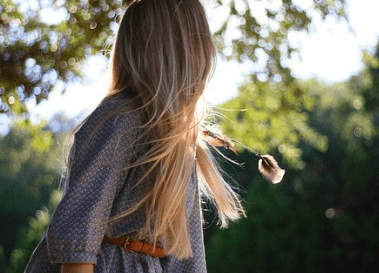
(162, 57)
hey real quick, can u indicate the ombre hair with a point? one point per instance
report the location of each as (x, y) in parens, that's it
(162, 58)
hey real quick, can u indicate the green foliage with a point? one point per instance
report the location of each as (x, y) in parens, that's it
(30, 237)
(28, 172)
(264, 120)
(35, 54)
(3, 261)
(346, 177)
(275, 237)
(41, 139)
(263, 28)
(370, 92)
(334, 195)
(275, 105)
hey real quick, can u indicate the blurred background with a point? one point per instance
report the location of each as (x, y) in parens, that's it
(296, 79)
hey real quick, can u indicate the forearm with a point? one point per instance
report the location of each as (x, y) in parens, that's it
(77, 268)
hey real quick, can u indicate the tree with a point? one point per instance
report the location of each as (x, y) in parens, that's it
(263, 120)
(30, 236)
(275, 237)
(324, 217)
(29, 170)
(35, 54)
(274, 105)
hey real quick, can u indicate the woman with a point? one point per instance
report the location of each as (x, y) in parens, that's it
(138, 162)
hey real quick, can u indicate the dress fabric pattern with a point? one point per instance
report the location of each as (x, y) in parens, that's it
(95, 190)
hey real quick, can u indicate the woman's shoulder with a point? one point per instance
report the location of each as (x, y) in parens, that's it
(115, 112)
(114, 121)
(117, 107)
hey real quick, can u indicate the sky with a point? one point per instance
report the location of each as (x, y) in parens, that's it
(330, 53)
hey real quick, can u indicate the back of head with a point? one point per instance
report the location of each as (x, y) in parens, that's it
(164, 50)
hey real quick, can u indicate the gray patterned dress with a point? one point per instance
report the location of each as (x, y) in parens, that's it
(95, 191)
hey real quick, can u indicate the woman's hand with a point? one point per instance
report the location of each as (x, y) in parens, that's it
(77, 268)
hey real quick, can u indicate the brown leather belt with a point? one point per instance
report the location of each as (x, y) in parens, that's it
(136, 246)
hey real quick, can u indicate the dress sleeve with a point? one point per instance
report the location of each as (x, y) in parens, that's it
(80, 220)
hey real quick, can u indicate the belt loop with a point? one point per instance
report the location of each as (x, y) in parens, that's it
(126, 242)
